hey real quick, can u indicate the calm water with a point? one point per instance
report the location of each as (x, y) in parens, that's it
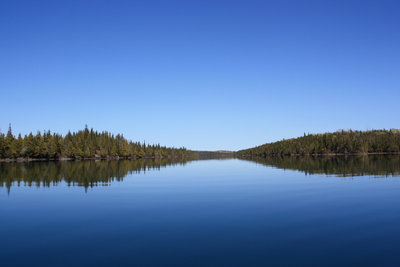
(324, 211)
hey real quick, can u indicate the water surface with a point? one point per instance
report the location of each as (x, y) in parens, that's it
(324, 211)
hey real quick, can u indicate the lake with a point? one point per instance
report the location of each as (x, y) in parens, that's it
(230, 212)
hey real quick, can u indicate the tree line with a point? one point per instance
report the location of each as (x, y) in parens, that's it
(340, 142)
(81, 144)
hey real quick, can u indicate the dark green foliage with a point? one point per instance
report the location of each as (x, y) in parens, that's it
(88, 173)
(82, 144)
(343, 166)
(340, 142)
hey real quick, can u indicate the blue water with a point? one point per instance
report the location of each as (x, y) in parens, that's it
(204, 213)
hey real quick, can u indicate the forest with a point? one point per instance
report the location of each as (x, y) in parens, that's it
(83, 144)
(340, 142)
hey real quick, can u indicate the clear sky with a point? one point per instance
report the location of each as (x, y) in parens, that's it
(200, 74)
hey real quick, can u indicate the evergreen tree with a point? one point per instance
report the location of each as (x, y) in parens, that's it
(19, 146)
(82, 144)
(340, 142)
(10, 151)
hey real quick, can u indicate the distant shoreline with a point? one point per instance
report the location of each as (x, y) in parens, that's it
(319, 154)
(234, 155)
(79, 159)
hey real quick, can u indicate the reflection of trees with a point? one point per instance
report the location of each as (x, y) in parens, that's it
(76, 173)
(379, 165)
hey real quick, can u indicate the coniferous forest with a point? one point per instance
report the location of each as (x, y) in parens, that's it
(340, 142)
(82, 144)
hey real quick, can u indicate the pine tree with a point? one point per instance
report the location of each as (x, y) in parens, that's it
(10, 151)
(19, 146)
(84, 143)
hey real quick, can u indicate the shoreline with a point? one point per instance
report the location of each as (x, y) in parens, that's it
(319, 154)
(235, 155)
(79, 159)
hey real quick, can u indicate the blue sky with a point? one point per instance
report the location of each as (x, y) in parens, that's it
(200, 74)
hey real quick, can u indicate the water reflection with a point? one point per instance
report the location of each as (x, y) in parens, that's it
(78, 173)
(343, 166)
(101, 173)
